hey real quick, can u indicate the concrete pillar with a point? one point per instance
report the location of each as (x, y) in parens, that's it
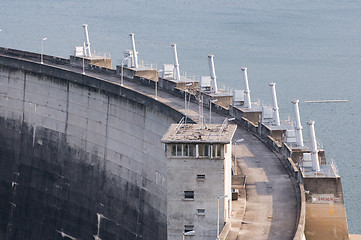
(212, 73)
(87, 42)
(135, 55)
(314, 150)
(299, 137)
(276, 116)
(247, 92)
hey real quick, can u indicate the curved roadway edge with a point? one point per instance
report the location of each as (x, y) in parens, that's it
(271, 197)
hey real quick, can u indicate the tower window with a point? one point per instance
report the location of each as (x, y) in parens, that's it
(182, 150)
(201, 177)
(216, 150)
(201, 211)
(188, 228)
(188, 194)
(203, 150)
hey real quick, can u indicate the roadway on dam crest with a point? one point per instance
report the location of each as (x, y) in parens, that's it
(271, 211)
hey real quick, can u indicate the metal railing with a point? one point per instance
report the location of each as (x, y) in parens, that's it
(180, 124)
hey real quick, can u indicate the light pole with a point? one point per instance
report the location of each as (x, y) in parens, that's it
(219, 197)
(235, 155)
(185, 98)
(42, 48)
(189, 233)
(210, 109)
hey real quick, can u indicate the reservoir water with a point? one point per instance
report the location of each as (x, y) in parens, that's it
(309, 48)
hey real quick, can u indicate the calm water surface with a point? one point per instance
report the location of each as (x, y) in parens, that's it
(309, 48)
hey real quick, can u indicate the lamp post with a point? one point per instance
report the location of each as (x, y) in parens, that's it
(219, 197)
(189, 233)
(235, 155)
(42, 48)
(210, 109)
(185, 97)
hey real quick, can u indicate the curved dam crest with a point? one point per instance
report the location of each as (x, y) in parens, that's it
(72, 147)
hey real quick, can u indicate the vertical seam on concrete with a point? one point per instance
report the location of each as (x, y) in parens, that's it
(67, 111)
(22, 120)
(86, 124)
(106, 135)
(9, 76)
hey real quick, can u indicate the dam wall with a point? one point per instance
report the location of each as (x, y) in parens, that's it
(79, 157)
(90, 133)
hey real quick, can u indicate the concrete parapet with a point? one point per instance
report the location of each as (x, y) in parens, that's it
(225, 231)
(167, 85)
(143, 76)
(94, 63)
(247, 124)
(301, 202)
(276, 134)
(34, 56)
(252, 116)
(224, 99)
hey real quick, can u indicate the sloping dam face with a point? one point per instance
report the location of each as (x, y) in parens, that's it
(79, 157)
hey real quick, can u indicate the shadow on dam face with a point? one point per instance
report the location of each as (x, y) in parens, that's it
(88, 153)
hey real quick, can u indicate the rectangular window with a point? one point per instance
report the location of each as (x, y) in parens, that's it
(219, 150)
(188, 194)
(185, 149)
(216, 150)
(201, 177)
(206, 150)
(174, 150)
(182, 150)
(201, 211)
(203, 150)
(189, 228)
(190, 150)
(179, 150)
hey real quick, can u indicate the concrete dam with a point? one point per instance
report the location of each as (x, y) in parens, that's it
(81, 158)
(77, 152)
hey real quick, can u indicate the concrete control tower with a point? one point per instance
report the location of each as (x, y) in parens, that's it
(199, 179)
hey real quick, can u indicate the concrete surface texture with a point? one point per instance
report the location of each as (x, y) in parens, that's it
(271, 210)
(70, 151)
(271, 202)
(326, 221)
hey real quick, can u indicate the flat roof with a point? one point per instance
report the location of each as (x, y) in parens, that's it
(284, 125)
(195, 133)
(253, 109)
(326, 171)
(219, 94)
(183, 79)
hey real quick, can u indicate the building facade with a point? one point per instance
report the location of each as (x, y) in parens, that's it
(198, 179)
